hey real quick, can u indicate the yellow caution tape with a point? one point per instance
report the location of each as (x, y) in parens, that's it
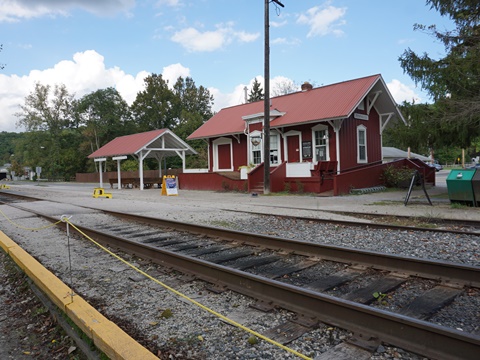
(232, 322)
(25, 228)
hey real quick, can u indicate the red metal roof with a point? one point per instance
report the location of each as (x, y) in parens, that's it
(127, 145)
(323, 103)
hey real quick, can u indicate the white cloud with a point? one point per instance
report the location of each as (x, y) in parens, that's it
(82, 75)
(246, 37)
(16, 10)
(172, 72)
(405, 41)
(285, 41)
(402, 92)
(237, 96)
(85, 74)
(323, 20)
(196, 41)
(276, 24)
(172, 3)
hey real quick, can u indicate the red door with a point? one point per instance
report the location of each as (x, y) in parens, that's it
(293, 144)
(224, 159)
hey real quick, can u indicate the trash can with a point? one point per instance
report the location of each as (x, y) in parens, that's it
(459, 185)
(476, 187)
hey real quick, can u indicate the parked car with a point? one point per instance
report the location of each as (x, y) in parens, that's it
(435, 165)
(476, 166)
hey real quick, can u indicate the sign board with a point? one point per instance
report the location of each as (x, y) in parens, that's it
(360, 116)
(169, 185)
(38, 170)
(307, 149)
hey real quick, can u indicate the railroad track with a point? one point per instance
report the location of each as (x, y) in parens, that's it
(377, 221)
(339, 286)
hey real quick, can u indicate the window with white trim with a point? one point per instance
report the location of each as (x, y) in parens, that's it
(257, 153)
(274, 153)
(256, 145)
(320, 136)
(361, 144)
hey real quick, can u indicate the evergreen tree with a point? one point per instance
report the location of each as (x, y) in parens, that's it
(454, 80)
(256, 93)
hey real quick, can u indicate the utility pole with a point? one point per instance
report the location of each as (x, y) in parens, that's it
(266, 104)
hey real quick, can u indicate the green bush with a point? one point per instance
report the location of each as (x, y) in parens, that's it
(397, 177)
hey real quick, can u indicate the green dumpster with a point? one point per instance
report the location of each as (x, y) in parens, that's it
(476, 187)
(459, 185)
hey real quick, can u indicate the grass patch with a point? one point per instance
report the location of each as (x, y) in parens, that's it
(457, 205)
(223, 223)
(386, 203)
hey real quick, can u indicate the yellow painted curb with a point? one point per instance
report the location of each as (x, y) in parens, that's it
(106, 335)
(6, 242)
(56, 290)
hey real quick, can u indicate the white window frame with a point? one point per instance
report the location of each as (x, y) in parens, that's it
(360, 129)
(255, 133)
(278, 149)
(216, 143)
(320, 127)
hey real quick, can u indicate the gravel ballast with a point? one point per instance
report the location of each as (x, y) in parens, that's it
(191, 332)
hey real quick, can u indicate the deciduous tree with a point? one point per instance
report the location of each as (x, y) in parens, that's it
(47, 109)
(152, 108)
(104, 115)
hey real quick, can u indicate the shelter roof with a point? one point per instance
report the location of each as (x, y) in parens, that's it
(155, 141)
(324, 103)
(394, 153)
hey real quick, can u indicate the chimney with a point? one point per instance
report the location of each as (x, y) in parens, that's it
(306, 86)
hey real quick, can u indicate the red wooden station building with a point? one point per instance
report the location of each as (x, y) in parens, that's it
(321, 139)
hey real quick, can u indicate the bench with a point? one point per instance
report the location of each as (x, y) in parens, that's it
(325, 170)
(130, 183)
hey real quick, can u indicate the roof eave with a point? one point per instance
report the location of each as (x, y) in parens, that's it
(308, 121)
(215, 135)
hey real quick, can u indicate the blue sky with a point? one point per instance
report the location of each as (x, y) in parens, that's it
(91, 44)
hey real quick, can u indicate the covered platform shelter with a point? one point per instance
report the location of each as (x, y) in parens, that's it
(157, 144)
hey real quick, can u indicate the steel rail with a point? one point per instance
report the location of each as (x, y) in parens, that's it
(462, 222)
(410, 334)
(447, 272)
(437, 270)
(471, 223)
